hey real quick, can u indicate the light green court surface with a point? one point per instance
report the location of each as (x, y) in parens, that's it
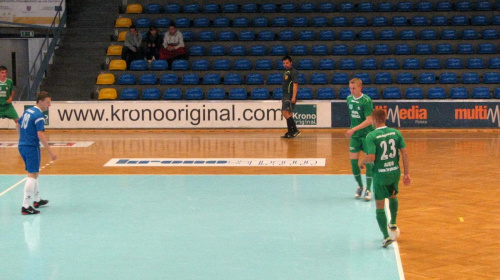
(193, 227)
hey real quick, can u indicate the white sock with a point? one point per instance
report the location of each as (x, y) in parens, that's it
(37, 193)
(29, 189)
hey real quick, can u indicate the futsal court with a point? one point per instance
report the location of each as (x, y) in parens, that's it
(246, 204)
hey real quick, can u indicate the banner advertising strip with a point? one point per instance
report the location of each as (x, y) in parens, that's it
(62, 144)
(219, 162)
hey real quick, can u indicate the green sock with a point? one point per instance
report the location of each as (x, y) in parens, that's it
(393, 206)
(369, 176)
(356, 172)
(382, 222)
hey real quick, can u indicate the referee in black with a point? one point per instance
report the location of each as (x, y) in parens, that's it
(290, 87)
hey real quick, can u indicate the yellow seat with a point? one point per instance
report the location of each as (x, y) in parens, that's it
(121, 36)
(118, 64)
(105, 79)
(123, 22)
(134, 9)
(107, 93)
(114, 50)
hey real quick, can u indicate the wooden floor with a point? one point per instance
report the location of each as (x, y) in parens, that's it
(449, 216)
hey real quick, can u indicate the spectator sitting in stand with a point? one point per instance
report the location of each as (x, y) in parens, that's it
(173, 46)
(132, 46)
(153, 44)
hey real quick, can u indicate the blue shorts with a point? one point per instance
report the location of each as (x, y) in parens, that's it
(31, 157)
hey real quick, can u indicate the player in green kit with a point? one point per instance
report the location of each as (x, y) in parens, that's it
(360, 109)
(383, 148)
(6, 95)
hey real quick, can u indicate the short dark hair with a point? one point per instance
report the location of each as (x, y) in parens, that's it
(287, 57)
(171, 24)
(3, 68)
(41, 96)
(379, 115)
(132, 27)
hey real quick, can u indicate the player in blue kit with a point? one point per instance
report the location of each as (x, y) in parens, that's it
(31, 127)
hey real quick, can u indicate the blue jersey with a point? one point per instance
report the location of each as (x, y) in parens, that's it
(30, 123)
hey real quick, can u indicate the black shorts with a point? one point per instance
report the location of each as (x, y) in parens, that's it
(286, 105)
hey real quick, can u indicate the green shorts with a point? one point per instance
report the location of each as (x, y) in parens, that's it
(8, 111)
(386, 185)
(356, 144)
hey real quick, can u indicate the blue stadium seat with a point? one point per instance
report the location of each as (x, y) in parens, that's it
(258, 50)
(387, 34)
(278, 50)
(265, 35)
(365, 7)
(217, 50)
(211, 79)
(288, 8)
(347, 64)
(340, 50)
(326, 64)
(340, 79)
(389, 64)
(407, 35)
(491, 78)
(241, 22)
(381, 49)
(465, 48)
(279, 22)
(449, 34)
(180, 65)
(147, 79)
(340, 21)
(483, 6)
(459, 20)
(260, 22)
(427, 78)
(232, 79)
(319, 22)
(326, 35)
(305, 64)
(470, 78)
(459, 93)
(216, 94)
(307, 35)
(448, 78)
(249, 8)
(428, 34)
(424, 6)
(347, 35)
(436, 93)
(325, 93)
(206, 36)
(152, 8)
(495, 20)
(162, 22)
(497, 90)
(489, 34)
(221, 64)
(169, 79)
(298, 50)
(259, 94)
(479, 20)
(304, 93)
(286, 35)
(345, 7)
(494, 63)
(444, 48)
(194, 94)
(254, 79)
(405, 78)
(151, 94)
(326, 7)
(190, 79)
(263, 64)
(307, 7)
(391, 93)
(379, 21)
(402, 49)
(318, 79)
(399, 21)
(404, 7)
(453, 63)
(463, 6)
(475, 63)
(432, 63)
(237, 50)
(368, 64)
(210, 8)
(142, 22)
(200, 65)
(226, 36)
(242, 64)
(443, 6)
(191, 8)
(129, 94)
(411, 63)
(385, 7)
(188, 36)
(126, 79)
(361, 50)
(414, 93)
(486, 48)
(469, 34)
(364, 77)
(279, 65)
(246, 35)
(172, 94)
(229, 8)
(201, 22)
(182, 22)
(138, 65)
(319, 50)
(197, 50)
(372, 92)
(277, 93)
(172, 8)
(359, 21)
(421, 49)
(344, 93)
(383, 78)
(275, 79)
(238, 94)
(366, 35)
(439, 21)
(268, 8)
(299, 22)
(481, 93)
(419, 21)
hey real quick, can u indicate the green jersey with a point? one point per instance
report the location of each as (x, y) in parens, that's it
(5, 90)
(385, 143)
(359, 109)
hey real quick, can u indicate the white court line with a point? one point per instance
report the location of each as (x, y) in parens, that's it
(395, 245)
(13, 186)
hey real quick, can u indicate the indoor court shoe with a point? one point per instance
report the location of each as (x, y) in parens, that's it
(296, 133)
(388, 241)
(359, 191)
(29, 211)
(40, 203)
(368, 195)
(393, 227)
(287, 135)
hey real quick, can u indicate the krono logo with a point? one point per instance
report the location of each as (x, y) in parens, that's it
(412, 113)
(479, 112)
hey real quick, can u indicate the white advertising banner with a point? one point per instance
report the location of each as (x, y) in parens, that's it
(38, 12)
(192, 114)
